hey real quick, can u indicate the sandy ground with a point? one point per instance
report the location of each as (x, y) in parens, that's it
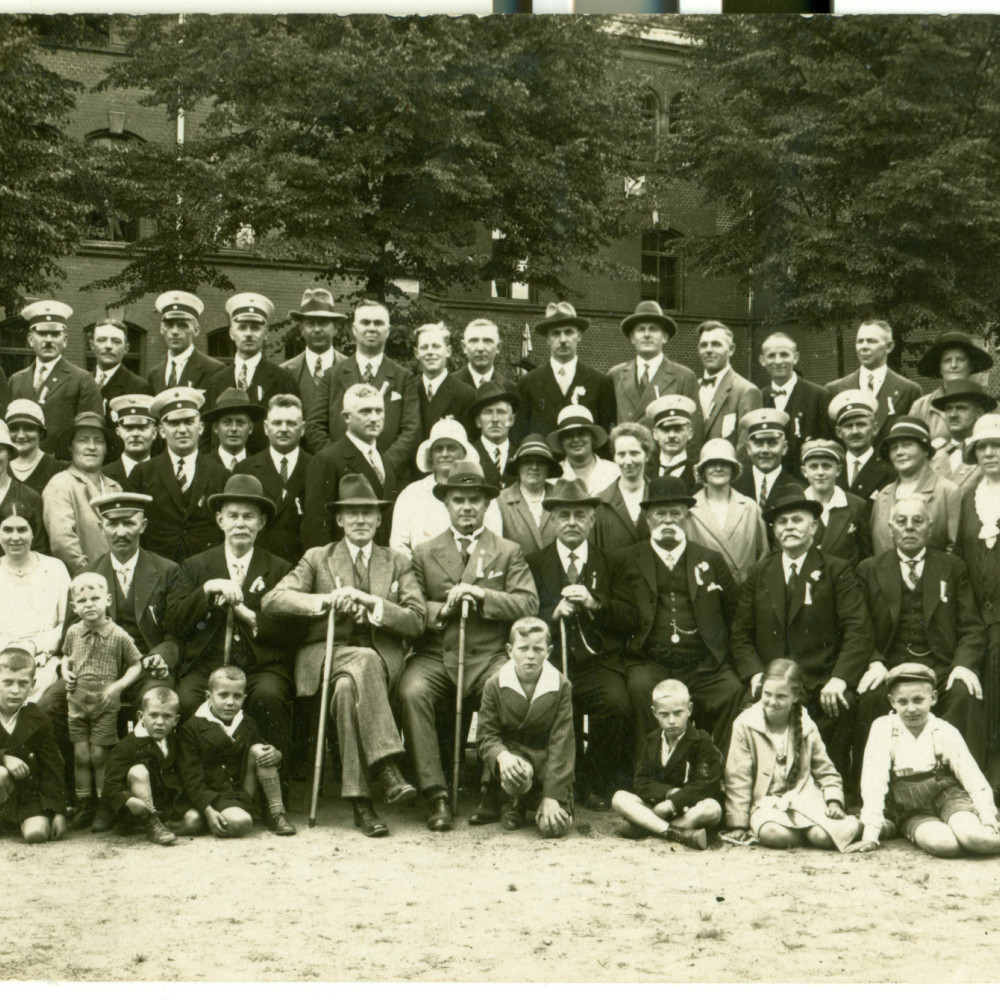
(485, 904)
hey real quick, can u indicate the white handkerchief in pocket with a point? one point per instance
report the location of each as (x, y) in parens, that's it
(728, 424)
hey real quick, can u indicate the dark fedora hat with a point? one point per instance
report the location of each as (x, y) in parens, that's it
(488, 394)
(355, 491)
(958, 390)
(245, 489)
(535, 446)
(649, 311)
(930, 363)
(788, 498)
(903, 427)
(88, 421)
(560, 314)
(317, 302)
(667, 489)
(465, 476)
(570, 493)
(234, 401)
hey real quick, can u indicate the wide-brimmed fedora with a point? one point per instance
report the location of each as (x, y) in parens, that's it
(789, 498)
(560, 314)
(317, 302)
(986, 428)
(445, 429)
(234, 400)
(243, 489)
(571, 418)
(355, 491)
(465, 476)
(535, 446)
(649, 311)
(903, 427)
(88, 420)
(930, 363)
(667, 489)
(488, 394)
(570, 493)
(958, 390)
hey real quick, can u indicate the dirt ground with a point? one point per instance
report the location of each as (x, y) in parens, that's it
(485, 904)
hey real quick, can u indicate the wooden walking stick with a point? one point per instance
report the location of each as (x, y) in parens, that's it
(459, 689)
(565, 671)
(324, 701)
(227, 642)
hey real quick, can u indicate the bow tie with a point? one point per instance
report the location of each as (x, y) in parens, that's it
(708, 380)
(778, 391)
(952, 447)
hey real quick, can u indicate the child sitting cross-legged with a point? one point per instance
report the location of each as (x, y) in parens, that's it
(224, 764)
(142, 776)
(936, 792)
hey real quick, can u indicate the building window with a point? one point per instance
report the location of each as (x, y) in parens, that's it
(649, 129)
(220, 344)
(15, 353)
(660, 266)
(133, 356)
(104, 223)
(675, 112)
(505, 288)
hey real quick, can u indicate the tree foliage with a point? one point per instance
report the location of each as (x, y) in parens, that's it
(380, 147)
(855, 161)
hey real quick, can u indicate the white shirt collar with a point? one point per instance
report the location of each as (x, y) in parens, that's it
(491, 447)
(11, 724)
(862, 458)
(787, 387)
(920, 557)
(141, 733)
(354, 550)
(435, 383)
(670, 557)
(108, 373)
(363, 446)
(205, 712)
(364, 362)
(129, 566)
(717, 376)
(866, 373)
(46, 366)
(180, 359)
(292, 456)
(128, 464)
(477, 379)
(474, 536)
(838, 499)
(787, 563)
(251, 364)
(652, 364)
(580, 553)
(548, 681)
(768, 477)
(229, 460)
(242, 561)
(188, 460)
(326, 358)
(569, 367)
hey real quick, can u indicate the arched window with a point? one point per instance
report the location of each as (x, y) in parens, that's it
(220, 344)
(649, 134)
(660, 267)
(133, 356)
(675, 112)
(103, 223)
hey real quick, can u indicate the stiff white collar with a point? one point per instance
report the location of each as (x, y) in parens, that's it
(548, 681)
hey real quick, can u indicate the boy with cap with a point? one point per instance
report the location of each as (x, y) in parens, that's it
(179, 480)
(31, 778)
(31, 466)
(937, 795)
(852, 414)
(671, 419)
(136, 427)
(185, 365)
(765, 434)
(230, 423)
(962, 401)
(61, 389)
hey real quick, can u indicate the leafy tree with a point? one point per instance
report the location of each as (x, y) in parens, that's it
(380, 147)
(855, 163)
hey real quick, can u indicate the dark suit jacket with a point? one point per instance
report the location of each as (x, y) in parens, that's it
(602, 630)
(542, 399)
(34, 743)
(685, 472)
(828, 635)
(693, 771)
(955, 629)
(848, 535)
(202, 626)
(452, 399)
(808, 418)
(399, 438)
(268, 380)
(143, 750)
(212, 765)
(493, 476)
(124, 383)
(981, 561)
(177, 529)
(614, 530)
(671, 378)
(874, 476)
(282, 536)
(326, 470)
(153, 579)
(713, 599)
(305, 384)
(197, 372)
(744, 483)
(897, 395)
(67, 391)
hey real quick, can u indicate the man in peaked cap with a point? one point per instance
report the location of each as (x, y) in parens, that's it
(134, 424)
(61, 389)
(185, 365)
(378, 607)
(852, 415)
(565, 380)
(179, 480)
(671, 418)
(765, 433)
(317, 317)
(109, 339)
(251, 372)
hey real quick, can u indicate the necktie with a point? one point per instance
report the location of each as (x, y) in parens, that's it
(318, 370)
(497, 460)
(429, 389)
(643, 374)
(361, 570)
(911, 573)
(241, 379)
(871, 384)
(855, 468)
(123, 579)
(283, 471)
(369, 374)
(376, 464)
(238, 573)
(100, 378)
(172, 379)
(708, 381)
(762, 499)
(793, 579)
(463, 545)
(181, 475)
(572, 571)
(40, 374)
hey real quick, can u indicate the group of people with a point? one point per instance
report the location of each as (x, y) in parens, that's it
(693, 600)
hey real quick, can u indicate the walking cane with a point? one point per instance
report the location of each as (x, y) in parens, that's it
(565, 671)
(323, 702)
(227, 642)
(459, 688)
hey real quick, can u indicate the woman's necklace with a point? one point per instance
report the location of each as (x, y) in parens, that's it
(11, 568)
(782, 756)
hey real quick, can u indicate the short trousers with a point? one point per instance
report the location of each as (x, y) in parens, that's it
(949, 802)
(86, 722)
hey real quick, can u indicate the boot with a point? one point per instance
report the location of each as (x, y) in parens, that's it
(83, 816)
(395, 788)
(280, 824)
(695, 839)
(512, 817)
(488, 810)
(367, 819)
(157, 833)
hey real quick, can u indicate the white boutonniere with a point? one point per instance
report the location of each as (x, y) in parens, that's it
(479, 567)
(41, 398)
(260, 394)
(813, 579)
(852, 528)
(889, 404)
(798, 428)
(298, 506)
(699, 573)
(385, 388)
(944, 591)
(578, 393)
(258, 585)
(713, 586)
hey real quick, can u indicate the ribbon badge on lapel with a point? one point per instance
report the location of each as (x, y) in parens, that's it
(813, 579)
(944, 591)
(852, 528)
(699, 577)
(298, 505)
(889, 403)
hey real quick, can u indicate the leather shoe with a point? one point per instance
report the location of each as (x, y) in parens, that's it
(512, 818)
(280, 824)
(488, 810)
(440, 818)
(157, 833)
(103, 821)
(596, 803)
(366, 818)
(395, 788)
(695, 839)
(83, 816)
